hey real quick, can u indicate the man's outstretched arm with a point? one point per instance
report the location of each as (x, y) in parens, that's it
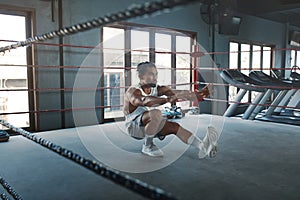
(186, 95)
(136, 98)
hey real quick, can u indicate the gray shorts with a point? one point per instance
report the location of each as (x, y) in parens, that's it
(133, 123)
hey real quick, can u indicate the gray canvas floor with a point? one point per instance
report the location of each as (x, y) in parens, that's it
(256, 160)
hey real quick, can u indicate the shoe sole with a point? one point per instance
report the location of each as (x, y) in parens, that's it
(213, 152)
(155, 156)
(4, 139)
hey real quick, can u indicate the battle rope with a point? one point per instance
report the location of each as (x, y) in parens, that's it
(135, 185)
(9, 189)
(131, 12)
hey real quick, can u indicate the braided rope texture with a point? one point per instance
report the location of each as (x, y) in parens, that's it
(126, 181)
(4, 197)
(133, 11)
(9, 189)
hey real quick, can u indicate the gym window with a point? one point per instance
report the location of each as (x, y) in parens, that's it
(126, 45)
(246, 57)
(15, 100)
(295, 59)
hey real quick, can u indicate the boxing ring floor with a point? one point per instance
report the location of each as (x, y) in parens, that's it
(256, 160)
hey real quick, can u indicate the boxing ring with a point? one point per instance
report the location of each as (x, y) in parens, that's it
(250, 160)
(247, 148)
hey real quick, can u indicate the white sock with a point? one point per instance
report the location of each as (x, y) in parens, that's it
(148, 140)
(195, 141)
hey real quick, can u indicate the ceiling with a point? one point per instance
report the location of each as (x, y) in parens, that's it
(285, 11)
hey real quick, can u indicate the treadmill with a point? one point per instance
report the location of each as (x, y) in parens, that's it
(245, 83)
(291, 99)
(285, 89)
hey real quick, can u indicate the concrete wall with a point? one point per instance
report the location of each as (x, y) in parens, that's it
(75, 11)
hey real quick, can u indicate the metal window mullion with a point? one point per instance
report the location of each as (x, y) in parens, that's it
(239, 57)
(272, 58)
(239, 60)
(261, 58)
(127, 53)
(250, 68)
(295, 59)
(61, 63)
(152, 46)
(31, 77)
(251, 57)
(101, 80)
(193, 63)
(173, 61)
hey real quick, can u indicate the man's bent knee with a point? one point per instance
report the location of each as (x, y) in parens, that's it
(152, 116)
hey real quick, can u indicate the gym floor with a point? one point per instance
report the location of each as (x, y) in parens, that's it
(256, 160)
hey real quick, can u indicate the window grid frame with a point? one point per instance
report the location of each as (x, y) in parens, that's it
(128, 27)
(271, 46)
(33, 99)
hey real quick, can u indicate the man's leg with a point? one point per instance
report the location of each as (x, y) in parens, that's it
(154, 123)
(206, 147)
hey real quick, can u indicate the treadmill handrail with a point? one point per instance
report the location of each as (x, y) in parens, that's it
(240, 80)
(269, 82)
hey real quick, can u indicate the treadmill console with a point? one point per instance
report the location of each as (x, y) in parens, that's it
(262, 76)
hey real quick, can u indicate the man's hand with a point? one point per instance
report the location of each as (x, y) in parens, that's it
(205, 92)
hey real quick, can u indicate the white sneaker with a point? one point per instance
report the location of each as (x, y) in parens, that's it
(152, 150)
(209, 143)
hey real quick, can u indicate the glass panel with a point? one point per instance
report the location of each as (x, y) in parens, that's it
(267, 60)
(298, 60)
(233, 55)
(256, 57)
(245, 65)
(245, 58)
(183, 64)
(256, 63)
(293, 54)
(13, 77)
(113, 56)
(163, 60)
(295, 60)
(139, 53)
(233, 64)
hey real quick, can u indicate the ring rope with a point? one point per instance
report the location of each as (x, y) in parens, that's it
(9, 189)
(125, 87)
(4, 197)
(87, 89)
(132, 12)
(62, 110)
(119, 106)
(248, 103)
(203, 68)
(195, 53)
(126, 181)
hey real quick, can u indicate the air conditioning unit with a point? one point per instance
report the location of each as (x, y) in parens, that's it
(229, 25)
(295, 38)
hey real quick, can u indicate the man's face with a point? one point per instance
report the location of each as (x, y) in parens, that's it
(149, 77)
